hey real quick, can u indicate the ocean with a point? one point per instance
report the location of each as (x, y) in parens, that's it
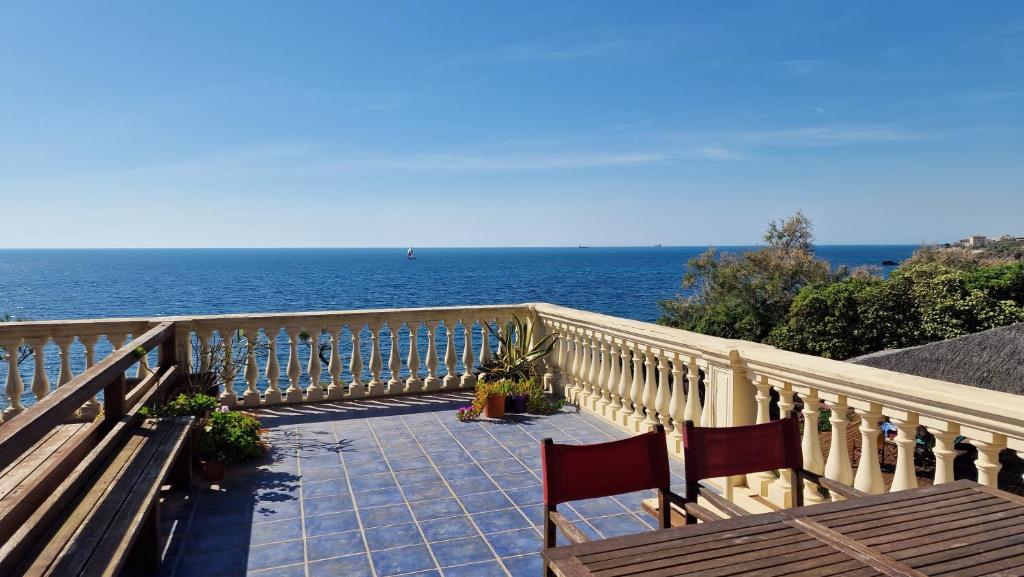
(627, 282)
(75, 284)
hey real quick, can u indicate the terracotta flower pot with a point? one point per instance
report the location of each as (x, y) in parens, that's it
(495, 407)
(214, 470)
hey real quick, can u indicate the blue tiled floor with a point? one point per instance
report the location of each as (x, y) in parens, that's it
(390, 487)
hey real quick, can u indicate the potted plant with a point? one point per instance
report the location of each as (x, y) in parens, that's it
(490, 398)
(227, 437)
(509, 380)
(516, 359)
(519, 395)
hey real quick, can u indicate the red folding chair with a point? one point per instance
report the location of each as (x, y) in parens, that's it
(712, 452)
(575, 472)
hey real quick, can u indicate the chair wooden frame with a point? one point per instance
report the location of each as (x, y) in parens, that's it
(777, 443)
(657, 478)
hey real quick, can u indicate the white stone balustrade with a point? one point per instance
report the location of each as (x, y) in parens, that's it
(669, 370)
(632, 373)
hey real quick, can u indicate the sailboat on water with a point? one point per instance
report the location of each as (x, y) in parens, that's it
(409, 255)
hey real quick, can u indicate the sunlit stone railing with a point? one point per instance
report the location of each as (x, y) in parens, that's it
(638, 374)
(274, 358)
(631, 373)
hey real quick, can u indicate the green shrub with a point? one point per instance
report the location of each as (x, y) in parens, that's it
(184, 405)
(923, 301)
(230, 436)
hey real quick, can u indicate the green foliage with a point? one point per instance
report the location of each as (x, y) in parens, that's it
(198, 405)
(744, 296)
(230, 436)
(924, 300)
(537, 401)
(516, 359)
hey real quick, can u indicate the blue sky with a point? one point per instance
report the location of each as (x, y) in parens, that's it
(507, 124)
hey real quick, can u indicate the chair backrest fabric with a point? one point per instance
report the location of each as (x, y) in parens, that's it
(722, 451)
(574, 472)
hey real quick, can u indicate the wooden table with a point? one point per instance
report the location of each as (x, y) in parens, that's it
(959, 528)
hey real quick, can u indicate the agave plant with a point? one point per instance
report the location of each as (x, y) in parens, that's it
(516, 359)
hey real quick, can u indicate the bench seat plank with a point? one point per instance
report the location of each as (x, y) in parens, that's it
(127, 483)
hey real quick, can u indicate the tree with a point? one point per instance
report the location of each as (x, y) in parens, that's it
(923, 301)
(746, 295)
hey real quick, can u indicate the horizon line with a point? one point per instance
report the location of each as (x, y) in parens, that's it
(431, 247)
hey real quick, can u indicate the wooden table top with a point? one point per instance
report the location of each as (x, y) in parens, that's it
(959, 528)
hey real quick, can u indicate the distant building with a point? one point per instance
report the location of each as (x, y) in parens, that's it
(976, 240)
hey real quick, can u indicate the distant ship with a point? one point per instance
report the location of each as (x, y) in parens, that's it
(584, 246)
(409, 255)
(657, 245)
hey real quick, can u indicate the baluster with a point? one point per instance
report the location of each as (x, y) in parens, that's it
(781, 490)
(142, 369)
(869, 473)
(626, 385)
(485, 342)
(450, 378)
(945, 452)
(593, 370)
(431, 383)
(355, 366)
(692, 410)
(564, 363)
(413, 384)
(905, 476)
(662, 393)
(677, 404)
(578, 356)
(228, 396)
(91, 408)
(837, 466)
(205, 339)
(294, 392)
(468, 380)
(394, 358)
(811, 444)
(40, 382)
(500, 324)
(553, 360)
(650, 390)
(14, 386)
(614, 381)
(314, 368)
(251, 398)
(273, 369)
(376, 385)
(582, 369)
(602, 377)
(762, 480)
(589, 370)
(335, 390)
(636, 391)
(988, 464)
(65, 374)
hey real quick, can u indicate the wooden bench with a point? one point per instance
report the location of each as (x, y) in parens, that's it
(115, 523)
(82, 499)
